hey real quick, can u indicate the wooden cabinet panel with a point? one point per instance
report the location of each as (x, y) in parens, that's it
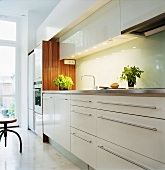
(52, 66)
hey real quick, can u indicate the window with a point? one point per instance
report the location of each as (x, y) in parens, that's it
(7, 68)
(7, 30)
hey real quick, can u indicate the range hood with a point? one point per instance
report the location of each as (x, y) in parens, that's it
(149, 27)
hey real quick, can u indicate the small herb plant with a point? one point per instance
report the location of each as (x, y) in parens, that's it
(64, 82)
(129, 74)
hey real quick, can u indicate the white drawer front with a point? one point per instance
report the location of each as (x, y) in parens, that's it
(62, 136)
(113, 157)
(83, 146)
(84, 119)
(83, 100)
(146, 106)
(140, 134)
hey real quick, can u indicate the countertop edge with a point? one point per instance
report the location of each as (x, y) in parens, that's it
(112, 92)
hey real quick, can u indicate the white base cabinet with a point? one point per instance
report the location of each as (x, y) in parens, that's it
(109, 132)
(83, 146)
(48, 116)
(62, 120)
(38, 125)
(56, 118)
(115, 157)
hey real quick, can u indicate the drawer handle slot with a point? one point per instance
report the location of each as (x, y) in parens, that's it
(89, 141)
(87, 101)
(131, 105)
(47, 97)
(126, 159)
(127, 123)
(86, 114)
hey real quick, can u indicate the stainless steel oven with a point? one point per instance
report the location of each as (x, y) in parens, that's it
(38, 97)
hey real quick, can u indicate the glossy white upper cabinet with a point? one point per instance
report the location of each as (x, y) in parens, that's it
(63, 14)
(134, 12)
(44, 31)
(38, 63)
(102, 25)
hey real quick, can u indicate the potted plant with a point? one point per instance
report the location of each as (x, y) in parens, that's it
(129, 74)
(63, 82)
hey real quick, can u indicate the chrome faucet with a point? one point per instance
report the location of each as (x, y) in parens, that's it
(93, 79)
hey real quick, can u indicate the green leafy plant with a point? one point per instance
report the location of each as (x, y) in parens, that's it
(130, 73)
(64, 82)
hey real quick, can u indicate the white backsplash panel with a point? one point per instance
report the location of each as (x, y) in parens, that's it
(147, 53)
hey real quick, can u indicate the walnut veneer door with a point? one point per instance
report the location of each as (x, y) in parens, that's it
(52, 66)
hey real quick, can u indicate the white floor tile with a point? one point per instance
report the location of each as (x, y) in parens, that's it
(36, 155)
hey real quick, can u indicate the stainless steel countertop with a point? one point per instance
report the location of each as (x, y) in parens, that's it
(121, 92)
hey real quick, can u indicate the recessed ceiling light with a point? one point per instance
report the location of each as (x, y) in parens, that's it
(105, 43)
(113, 53)
(79, 53)
(86, 50)
(122, 50)
(134, 47)
(72, 56)
(94, 47)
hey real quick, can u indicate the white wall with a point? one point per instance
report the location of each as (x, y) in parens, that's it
(107, 65)
(22, 92)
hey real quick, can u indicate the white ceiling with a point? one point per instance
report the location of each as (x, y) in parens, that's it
(17, 8)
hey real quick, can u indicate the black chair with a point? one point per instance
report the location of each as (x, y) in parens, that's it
(5, 121)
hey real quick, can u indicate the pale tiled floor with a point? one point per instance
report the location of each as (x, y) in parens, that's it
(36, 155)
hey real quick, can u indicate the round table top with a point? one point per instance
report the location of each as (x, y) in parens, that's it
(7, 120)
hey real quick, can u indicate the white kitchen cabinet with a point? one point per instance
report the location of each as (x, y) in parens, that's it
(62, 120)
(115, 157)
(48, 116)
(38, 125)
(135, 123)
(83, 146)
(92, 31)
(140, 134)
(108, 159)
(30, 91)
(83, 128)
(43, 33)
(84, 119)
(83, 113)
(38, 63)
(83, 100)
(134, 12)
(145, 106)
(61, 16)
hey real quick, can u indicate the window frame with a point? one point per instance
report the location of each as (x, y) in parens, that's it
(10, 43)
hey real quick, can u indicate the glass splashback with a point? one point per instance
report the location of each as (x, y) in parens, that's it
(147, 53)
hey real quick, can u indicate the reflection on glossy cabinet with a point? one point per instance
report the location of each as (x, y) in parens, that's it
(83, 146)
(38, 125)
(92, 31)
(38, 63)
(44, 31)
(48, 115)
(108, 159)
(62, 120)
(134, 12)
